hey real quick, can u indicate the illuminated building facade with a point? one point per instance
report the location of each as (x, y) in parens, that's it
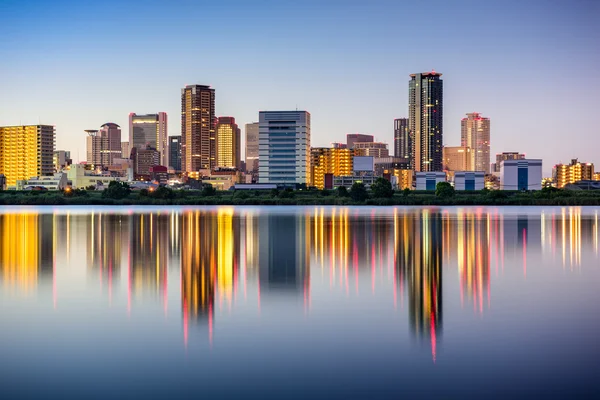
(228, 143)
(26, 151)
(149, 130)
(175, 152)
(457, 158)
(61, 159)
(198, 149)
(328, 160)
(425, 110)
(284, 147)
(475, 134)
(402, 139)
(252, 148)
(573, 172)
(104, 145)
(373, 149)
(404, 178)
(353, 138)
(596, 176)
(506, 156)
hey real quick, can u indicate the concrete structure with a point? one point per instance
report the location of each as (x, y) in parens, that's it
(475, 134)
(363, 164)
(252, 148)
(228, 138)
(142, 161)
(596, 176)
(353, 138)
(523, 174)
(26, 151)
(220, 182)
(576, 171)
(159, 173)
(373, 149)
(58, 181)
(457, 158)
(404, 178)
(385, 165)
(348, 181)
(175, 152)
(2, 182)
(402, 139)
(198, 150)
(81, 178)
(255, 186)
(104, 145)
(583, 185)
(284, 147)
(125, 150)
(149, 130)
(425, 113)
(469, 180)
(328, 160)
(505, 156)
(429, 180)
(61, 159)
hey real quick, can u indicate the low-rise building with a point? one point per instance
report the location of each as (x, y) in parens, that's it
(525, 174)
(2, 182)
(58, 181)
(429, 180)
(573, 172)
(367, 180)
(404, 178)
(81, 178)
(469, 180)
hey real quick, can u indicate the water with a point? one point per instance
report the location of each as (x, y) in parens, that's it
(292, 302)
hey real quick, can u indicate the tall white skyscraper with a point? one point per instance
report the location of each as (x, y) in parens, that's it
(475, 133)
(284, 147)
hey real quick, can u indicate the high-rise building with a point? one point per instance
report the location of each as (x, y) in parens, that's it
(143, 160)
(352, 138)
(457, 158)
(402, 140)
(252, 148)
(26, 151)
(373, 149)
(149, 130)
(175, 152)
(61, 159)
(197, 128)
(571, 173)
(284, 147)
(125, 150)
(328, 160)
(228, 143)
(475, 133)
(506, 156)
(425, 110)
(104, 145)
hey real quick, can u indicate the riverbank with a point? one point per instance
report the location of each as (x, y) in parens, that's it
(407, 198)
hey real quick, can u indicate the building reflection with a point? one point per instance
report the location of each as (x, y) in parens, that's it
(104, 244)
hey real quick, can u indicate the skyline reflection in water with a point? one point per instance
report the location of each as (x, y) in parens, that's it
(210, 273)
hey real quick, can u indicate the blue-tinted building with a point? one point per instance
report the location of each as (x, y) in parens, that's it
(429, 180)
(523, 174)
(469, 180)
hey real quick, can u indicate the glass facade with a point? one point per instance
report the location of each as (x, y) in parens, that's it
(175, 152)
(149, 130)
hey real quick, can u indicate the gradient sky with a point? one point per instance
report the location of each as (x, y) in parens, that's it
(528, 65)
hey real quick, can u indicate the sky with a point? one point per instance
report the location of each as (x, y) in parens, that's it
(528, 65)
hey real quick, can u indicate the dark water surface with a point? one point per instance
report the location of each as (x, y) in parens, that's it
(299, 302)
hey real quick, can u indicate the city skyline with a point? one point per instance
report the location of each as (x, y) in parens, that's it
(515, 54)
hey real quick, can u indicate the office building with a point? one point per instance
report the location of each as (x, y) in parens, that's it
(149, 130)
(457, 158)
(81, 178)
(371, 149)
(104, 145)
(197, 128)
(252, 148)
(143, 160)
(402, 140)
(475, 134)
(525, 174)
(386, 165)
(26, 151)
(469, 180)
(353, 138)
(61, 159)
(175, 152)
(429, 180)
(328, 160)
(125, 150)
(425, 110)
(506, 156)
(58, 181)
(228, 143)
(284, 147)
(576, 171)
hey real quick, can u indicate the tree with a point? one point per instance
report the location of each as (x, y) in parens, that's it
(406, 192)
(325, 192)
(382, 188)
(116, 190)
(444, 189)
(209, 190)
(358, 192)
(342, 191)
(163, 192)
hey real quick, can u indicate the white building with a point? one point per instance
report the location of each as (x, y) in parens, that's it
(523, 174)
(80, 178)
(469, 180)
(284, 147)
(57, 181)
(429, 180)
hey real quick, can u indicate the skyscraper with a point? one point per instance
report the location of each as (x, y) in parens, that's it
(149, 130)
(506, 156)
(227, 143)
(175, 152)
(197, 128)
(425, 110)
(26, 151)
(457, 158)
(475, 133)
(352, 138)
(252, 147)
(284, 147)
(402, 141)
(104, 145)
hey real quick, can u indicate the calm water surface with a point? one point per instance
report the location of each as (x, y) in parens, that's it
(277, 302)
